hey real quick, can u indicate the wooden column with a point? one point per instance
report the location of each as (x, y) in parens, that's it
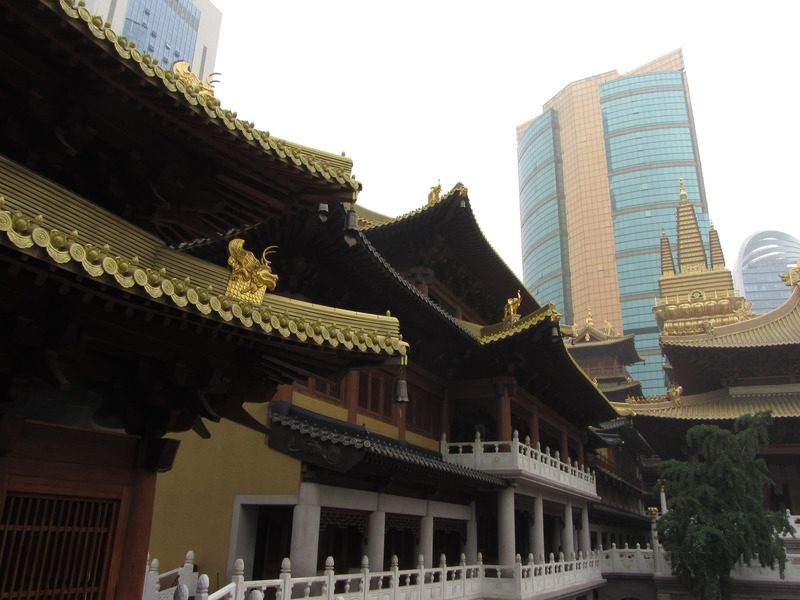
(534, 426)
(351, 382)
(137, 535)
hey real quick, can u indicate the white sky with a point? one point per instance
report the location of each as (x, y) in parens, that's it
(414, 92)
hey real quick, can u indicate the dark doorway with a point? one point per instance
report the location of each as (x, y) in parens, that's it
(273, 539)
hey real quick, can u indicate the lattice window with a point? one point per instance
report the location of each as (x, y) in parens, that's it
(450, 525)
(340, 518)
(403, 522)
(55, 547)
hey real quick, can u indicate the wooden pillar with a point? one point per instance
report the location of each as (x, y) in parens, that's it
(504, 418)
(471, 546)
(377, 535)
(137, 535)
(351, 382)
(426, 540)
(305, 531)
(534, 426)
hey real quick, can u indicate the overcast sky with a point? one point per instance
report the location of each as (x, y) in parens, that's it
(415, 92)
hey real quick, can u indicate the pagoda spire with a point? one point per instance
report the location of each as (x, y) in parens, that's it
(717, 259)
(691, 253)
(667, 262)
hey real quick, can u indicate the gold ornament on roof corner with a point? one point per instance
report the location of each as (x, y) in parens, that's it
(183, 71)
(792, 276)
(512, 304)
(433, 195)
(250, 278)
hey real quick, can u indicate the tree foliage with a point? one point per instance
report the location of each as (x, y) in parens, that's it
(716, 507)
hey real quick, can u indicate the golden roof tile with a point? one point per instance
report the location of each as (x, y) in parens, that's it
(331, 167)
(780, 327)
(725, 403)
(113, 266)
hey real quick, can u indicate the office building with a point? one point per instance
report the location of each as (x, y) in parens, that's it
(169, 30)
(598, 174)
(761, 259)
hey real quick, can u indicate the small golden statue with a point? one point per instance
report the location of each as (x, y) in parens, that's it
(250, 278)
(183, 70)
(512, 304)
(792, 276)
(433, 195)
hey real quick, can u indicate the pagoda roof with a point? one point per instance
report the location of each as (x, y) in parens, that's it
(169, 154)
(452, 235)
(723, 404)
(780, 327)
(535, 355)
(664, 423)
(622, 346)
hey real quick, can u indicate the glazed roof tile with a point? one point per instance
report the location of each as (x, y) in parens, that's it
(61, 228)
(328, 166)
(726, 403)
(781, 327)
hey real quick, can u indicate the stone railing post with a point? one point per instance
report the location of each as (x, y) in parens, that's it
(395, 582)
(330, 579)
(477, 450)
(237, 579)
(365, 575)
(202, 588)
(614, 558)
(517, 576)
(443, 446)
(151, 581)
(182, 592)
(286, 579)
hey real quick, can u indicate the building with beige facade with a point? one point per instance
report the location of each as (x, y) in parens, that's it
(597, 175)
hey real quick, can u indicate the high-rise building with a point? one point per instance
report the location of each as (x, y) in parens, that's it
(169, 30)
(762, 257)
(598, 174)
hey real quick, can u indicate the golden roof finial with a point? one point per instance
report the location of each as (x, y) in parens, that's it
(512, 304)
(792, 276)
(589, 320)
(684, 195)
(250, 278)
(183, 71)
(433, 195)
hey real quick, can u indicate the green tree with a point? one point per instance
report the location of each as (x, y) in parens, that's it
(716, 507)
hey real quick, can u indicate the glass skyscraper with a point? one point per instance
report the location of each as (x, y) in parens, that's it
(168, 30)
(599, 175)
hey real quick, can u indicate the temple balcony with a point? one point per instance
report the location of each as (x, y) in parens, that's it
(523, 463)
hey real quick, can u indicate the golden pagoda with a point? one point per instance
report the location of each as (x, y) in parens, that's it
(699, 294)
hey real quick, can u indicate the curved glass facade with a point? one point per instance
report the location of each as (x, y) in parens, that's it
(649, 148)
(543, 260)
(762, 256)
(599, 175)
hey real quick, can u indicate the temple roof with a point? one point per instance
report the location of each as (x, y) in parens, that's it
(445, 236)
(723, 404)
(142, 141)
(38, 216)
(781, 327)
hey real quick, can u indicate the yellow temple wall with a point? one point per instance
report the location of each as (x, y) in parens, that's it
(194, 501)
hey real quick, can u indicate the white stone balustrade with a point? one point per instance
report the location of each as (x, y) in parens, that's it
(460, 582)
(521, 460)
(153, 580)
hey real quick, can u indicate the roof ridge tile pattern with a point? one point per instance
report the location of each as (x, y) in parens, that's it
(781, 327)
(319, 163)
(27, 234)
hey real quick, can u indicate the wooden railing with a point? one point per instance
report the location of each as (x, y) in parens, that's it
(532, 462)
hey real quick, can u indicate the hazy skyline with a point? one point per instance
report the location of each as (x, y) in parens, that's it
(420, 92)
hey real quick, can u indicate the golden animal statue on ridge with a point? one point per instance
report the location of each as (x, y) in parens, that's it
(250, 277)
